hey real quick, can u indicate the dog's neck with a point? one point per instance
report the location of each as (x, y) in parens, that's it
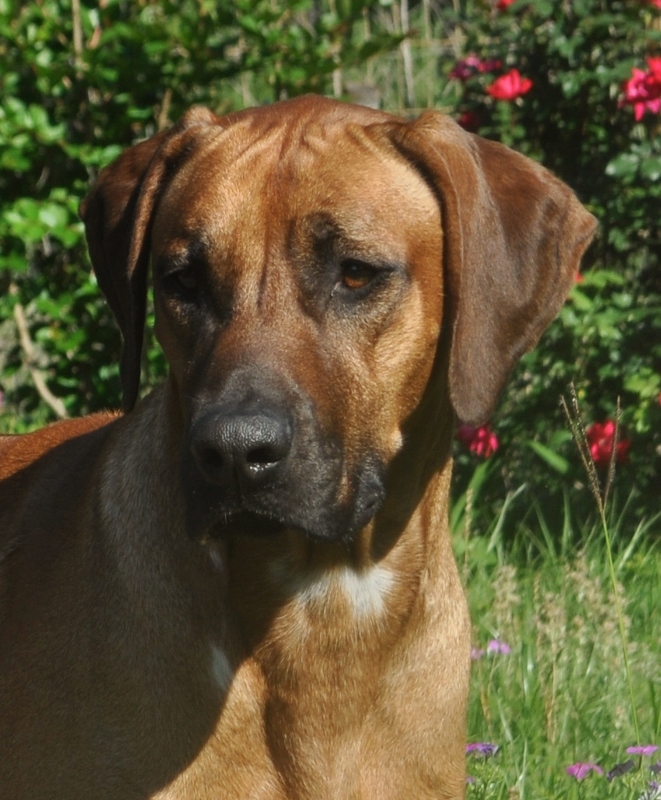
(284, 629)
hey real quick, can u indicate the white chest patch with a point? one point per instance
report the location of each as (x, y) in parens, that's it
(221, 669)
(365, 590)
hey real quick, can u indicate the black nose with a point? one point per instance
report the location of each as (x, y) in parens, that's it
(247, 449)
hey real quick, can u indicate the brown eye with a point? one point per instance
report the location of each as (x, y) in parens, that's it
(182, 282)
(356, 275)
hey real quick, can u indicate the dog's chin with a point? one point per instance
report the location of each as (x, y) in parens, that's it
(248, 524)
(341, 526)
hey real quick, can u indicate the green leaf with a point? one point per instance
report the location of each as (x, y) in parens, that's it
(651, 168)
(623, 165)
(550, 457)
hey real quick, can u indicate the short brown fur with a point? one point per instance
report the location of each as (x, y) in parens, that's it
(150, 647)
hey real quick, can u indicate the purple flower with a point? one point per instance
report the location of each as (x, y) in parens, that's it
(656, 768)
(485, 749)
(582, 768)
(470, 779)
(496, 646)
(621, 769)
(642, 750)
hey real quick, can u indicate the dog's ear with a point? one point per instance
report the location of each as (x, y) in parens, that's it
(513, 238)
(117, 214)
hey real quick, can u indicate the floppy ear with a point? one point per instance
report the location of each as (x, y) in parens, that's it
(513, 238)
(117, 214)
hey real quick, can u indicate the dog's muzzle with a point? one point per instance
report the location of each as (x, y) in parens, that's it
(259, 466)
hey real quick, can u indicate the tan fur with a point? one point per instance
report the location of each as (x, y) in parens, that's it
(141, 659)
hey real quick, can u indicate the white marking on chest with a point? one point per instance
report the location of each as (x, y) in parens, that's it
(365, 590)
(221, 669)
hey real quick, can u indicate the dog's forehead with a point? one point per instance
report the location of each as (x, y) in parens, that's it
(287, 168)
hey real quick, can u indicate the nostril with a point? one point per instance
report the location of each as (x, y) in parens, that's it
(210, 458)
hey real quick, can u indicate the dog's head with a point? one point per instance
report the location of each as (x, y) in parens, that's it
(307, 259)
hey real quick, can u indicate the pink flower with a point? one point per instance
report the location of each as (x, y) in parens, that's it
(471, 65)
(482, 441)
(466, 67)
(656, 3)
(509, 86)
(643, 89)
(494, 647)
(642, 750)
(601, 437)
(582, 768)
(499, 647)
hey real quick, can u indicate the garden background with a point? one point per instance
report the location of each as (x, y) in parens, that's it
(565, 588)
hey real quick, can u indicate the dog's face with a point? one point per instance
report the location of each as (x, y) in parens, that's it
(304, 256)
(300, 316)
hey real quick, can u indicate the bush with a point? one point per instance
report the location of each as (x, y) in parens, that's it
(81, 82)
(565, 105)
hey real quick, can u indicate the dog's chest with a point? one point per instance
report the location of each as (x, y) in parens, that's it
(307, 702)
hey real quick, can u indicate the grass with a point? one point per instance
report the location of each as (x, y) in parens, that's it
(581, 681)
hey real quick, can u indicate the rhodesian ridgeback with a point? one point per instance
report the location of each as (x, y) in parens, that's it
(243, 587)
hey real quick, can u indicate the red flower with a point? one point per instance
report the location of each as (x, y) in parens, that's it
(509, 86)
(469, 121)
(656, 3)
(482, 441)
(643, 89)
(601, 437)
(502, 5)
(655, 67)
(490, 64)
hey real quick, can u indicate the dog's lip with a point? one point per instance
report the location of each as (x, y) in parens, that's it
(246, 522)
(250, 523)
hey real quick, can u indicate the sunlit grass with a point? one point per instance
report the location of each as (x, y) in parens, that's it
(582, 679)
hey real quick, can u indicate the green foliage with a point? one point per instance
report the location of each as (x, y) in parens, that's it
(80, 85)
(607, 341)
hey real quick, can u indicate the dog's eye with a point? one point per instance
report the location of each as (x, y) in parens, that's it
(183, 282)
(357, 274)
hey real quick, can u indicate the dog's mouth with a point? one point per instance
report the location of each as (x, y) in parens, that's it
(246, 523)
(259, 470)
(210, 514)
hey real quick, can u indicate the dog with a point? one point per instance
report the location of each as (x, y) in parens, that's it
(243, 586)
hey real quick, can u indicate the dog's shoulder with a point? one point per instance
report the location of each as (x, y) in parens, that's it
(19, 451)
(47, 469)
